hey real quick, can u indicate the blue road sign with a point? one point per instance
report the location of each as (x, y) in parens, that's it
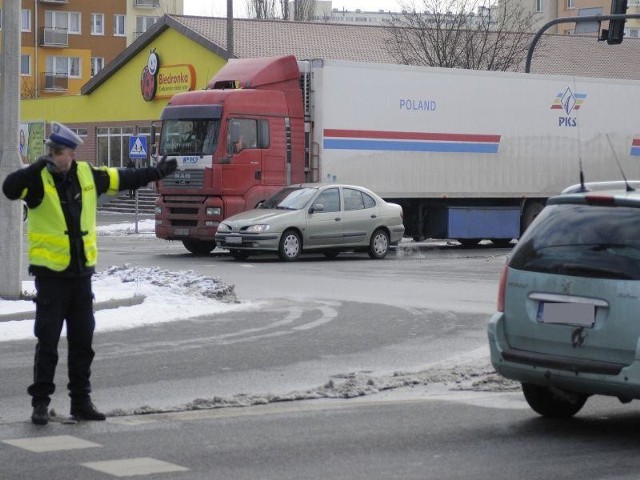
(137, 147)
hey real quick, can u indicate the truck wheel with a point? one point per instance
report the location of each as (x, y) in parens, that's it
(531, 211)
(553, 404)
(290, 246)
(199, 247)
(379, 244)
(239, 254)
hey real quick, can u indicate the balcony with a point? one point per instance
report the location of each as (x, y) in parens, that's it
(146, 3)
(59, 2)
(56, 82)
(54, 37)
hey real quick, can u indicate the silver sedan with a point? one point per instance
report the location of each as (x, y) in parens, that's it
(327, 218)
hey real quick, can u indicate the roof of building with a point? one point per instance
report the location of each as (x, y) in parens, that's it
(554, 54)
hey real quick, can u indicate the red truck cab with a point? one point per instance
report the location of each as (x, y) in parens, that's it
(236, 143)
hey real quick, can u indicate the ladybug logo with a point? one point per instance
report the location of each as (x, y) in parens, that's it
(148, 81)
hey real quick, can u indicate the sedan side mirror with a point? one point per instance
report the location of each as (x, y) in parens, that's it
(316, 207)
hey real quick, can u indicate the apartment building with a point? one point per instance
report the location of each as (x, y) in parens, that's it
(66, 42)
(546, 10)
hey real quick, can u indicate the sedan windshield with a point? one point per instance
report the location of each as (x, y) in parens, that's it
(582, 240)
(290, 198)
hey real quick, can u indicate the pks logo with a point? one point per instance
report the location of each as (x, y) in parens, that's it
(568, 102)
(189, 160)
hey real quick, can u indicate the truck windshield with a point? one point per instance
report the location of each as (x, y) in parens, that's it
(189, 137)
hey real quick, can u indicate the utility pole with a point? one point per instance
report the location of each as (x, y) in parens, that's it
(10, 211)
(229, 29)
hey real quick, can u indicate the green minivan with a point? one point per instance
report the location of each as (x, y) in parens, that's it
(567, 324)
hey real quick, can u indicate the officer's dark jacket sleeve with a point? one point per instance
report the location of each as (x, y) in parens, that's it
(26, 184)
(129, 178)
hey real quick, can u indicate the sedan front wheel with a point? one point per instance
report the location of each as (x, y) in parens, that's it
(379, 244)
(290, 246)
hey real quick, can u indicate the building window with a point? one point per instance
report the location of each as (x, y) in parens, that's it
(25, 64)
(538, 7)
(113, 145)
(25, 20)
(97, 64)
(633, 33)
(69, 66)
(119, 25)
(81, 132)
(0, 19)
(97, 24)
(144, 23)
(63, 20)
(571, 3)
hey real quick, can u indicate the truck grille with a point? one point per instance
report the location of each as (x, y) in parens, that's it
(184, 179)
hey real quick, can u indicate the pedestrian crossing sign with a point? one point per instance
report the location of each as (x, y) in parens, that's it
(137, 147)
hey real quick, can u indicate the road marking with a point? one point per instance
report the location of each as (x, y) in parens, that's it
(134, 466)
(51, 444)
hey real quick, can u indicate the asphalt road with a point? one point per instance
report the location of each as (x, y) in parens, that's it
(415, 321)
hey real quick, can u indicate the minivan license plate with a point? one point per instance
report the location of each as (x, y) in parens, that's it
(582, 314)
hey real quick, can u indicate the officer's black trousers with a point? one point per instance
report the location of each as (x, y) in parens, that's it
(59, 300)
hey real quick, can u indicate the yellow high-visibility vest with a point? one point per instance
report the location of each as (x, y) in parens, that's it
(49, 244)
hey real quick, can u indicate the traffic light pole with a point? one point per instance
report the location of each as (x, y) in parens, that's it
(589, 18)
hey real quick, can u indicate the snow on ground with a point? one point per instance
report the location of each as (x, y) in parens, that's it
(145, 226)
(163, 291)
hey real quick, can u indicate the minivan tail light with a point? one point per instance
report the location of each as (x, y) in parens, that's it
(501, 289)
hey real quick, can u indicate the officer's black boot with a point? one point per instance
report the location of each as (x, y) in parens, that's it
(86, 411)
(40, 415)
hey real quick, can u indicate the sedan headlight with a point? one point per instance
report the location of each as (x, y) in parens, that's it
(213, 211)
(257, 228)
(223, 228)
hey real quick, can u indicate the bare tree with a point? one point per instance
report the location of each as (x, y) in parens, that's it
(299, 10)
(262, 9)
(284, 9)
(304, 10)
(28, 88)
(469, 34)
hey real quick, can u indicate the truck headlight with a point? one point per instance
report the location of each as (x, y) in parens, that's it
(158, 210)
(213, 211)
(258, 228)
(224, 228)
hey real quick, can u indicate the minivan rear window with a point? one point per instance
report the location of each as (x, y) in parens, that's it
(582, 240)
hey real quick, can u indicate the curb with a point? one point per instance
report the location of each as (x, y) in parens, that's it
(104, 305)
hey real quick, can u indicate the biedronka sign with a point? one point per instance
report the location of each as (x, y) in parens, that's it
(165, 81)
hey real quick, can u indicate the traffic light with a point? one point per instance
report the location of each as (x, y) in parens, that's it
(616, 27)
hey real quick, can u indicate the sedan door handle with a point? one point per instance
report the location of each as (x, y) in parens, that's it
(337, 219)
(373, 215)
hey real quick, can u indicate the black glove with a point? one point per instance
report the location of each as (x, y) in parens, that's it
(165, 167)
(33, 171)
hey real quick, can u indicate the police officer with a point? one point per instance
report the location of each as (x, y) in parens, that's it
(62, 196)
